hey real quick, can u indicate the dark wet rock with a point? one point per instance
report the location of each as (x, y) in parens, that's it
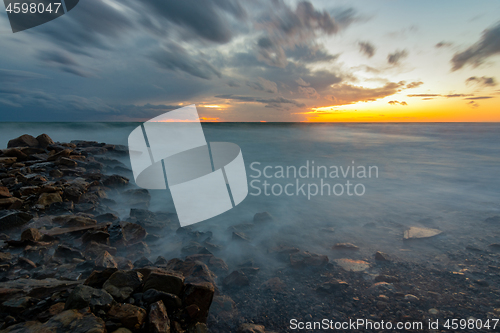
(67, 253)
(97, 278)
(193, 271)
(31, 234)
(171, 301)
(47, 199)
(251, 328)
(215, 264)
(130, 316)
(58, 155)
(138, 250)
(98, 236)
(333, 286)
(122, 284)
(133, 233)
(105, 260)
(346, 246)
(5, 256)
(306, 259)
(192, 248)
(262, 217)
(10, 219)
(381, 256)
(23, 141)
(84, 296)
(44, 141)
(158, 319)
(115, 181)
(161, 261)
(164, 281)
(108, 217)
(17, 305)
(53, 310)
(200, 295)
(236, 279)
(10, 203)
(25, 263)
(240, 236)
(14, 152)
(142, 262)
(224, 308)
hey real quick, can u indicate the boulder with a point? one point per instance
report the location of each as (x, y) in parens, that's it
(67, 253)
(236, 279)
(47, 199)
(171, 301)
(12, 219)
(11, 203)
(200, 295)
(97, 236)
(164, 281)
(74, 221)
(133, 233)
(130, 316)
(381, 256)
(115, 181)
(122, 284)
(158, 319)
(23, 141)
(305, 259)
(84, 296)
(105, 260)
(44, 141)
(97, 278)
(4, 192)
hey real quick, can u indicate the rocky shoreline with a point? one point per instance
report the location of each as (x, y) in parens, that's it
(69, 263)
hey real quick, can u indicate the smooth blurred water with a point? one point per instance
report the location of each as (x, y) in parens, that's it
(436, 175)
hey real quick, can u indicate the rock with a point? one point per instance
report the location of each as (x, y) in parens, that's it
(12, 219)
(273, 285)
(346, 246)
(386, 278)
(105, 260)
(306, 259)
(67, 162)
(25, 263)
(333, 286)
(17, 305)
(123, 330)
(133, 233)
(115, 181)
(67, 253)
(214, 263)
(23, 141)
(37, 288)
(240, 236)
(200, 295)
(130, 316)
(14, 152)
(108, 217)
(60, 154)
(11, 203)
(31, 234)
(158, 319)
(251, 328)
(97, 236)
(352, 265)
(47, 199)
(381, 256)
(4, 192)
(84, 296)
(410, 297)
(142, 262)
(171, 301)
(97, 278)
(382, 288)
(94, 249)
(224, 308)
(164, 281)
(67, 321)
(420, 233)
(262, 217)
(74, 221)
(5, 256)
(236, 279)
(122, 284)
(44, 141)
(198, 328)
(433, 312)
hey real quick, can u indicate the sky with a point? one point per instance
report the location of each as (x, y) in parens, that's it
(257, 60)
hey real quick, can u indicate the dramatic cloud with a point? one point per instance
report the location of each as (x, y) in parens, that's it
(264, 85)
(302, 83)
(397, 102)
(367, 49)
(13, 76)
(414, 84)
(482, 81)
(175, 57)
(487, 46)
(396, 57)
(270, 102)
(348, 94)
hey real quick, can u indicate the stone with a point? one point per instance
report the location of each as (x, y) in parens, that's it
(7, 160)
(31, 234)
(66, 321)
(44, 141)
(306, 259)
(11, 203)
(105, 260)
(273, 285)
(58, 155)
(193, 271)
(68, 162)
(262, 217)
(352, 265)
(74, 221)
(25, 263)
(333, 286)
(130, 316)
(115, 181)
(10, 219)
(411, 298)
(4, 192)
(158, 319)
(67, 253)
(171, 301)
(214, 263)
(122, 284)
(94, 249)
(96, 279)
(386, 278)
(133, 233)
(200, 295)
(84, 296)
(420, 233)
(224, 308)
(251, 328)
(433, 311)
(381, 256)
(5, 256)
(236, 279)
(16, 305)
(240, 236)
(164, 281)
(142, 262)
(97, 236)
(346, 246)
(47, 199)
(23, 141)
(14, 152)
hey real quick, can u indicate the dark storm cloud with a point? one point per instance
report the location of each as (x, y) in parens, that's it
(264, 85)
(272, 102)
(367, 49)
(62, 61)
(487, 46)
(10, 76)
(175, 57)
(482, 81)
(396, 57)
(310, 54)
